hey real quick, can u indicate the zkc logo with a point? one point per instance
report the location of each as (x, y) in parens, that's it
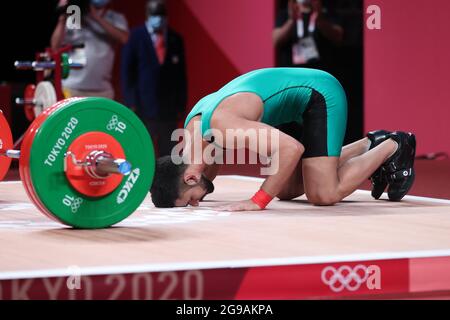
(352, 279)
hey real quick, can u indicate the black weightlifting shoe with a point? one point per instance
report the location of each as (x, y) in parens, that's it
(379, 182)
(398, 170)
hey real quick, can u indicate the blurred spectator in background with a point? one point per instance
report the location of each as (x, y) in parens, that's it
(327, 35)
(154, 76)
(101, 30)
(305, 34)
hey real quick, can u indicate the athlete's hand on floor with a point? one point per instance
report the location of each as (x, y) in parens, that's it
(246, 205)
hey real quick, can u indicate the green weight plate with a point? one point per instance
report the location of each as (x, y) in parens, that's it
(65, 65)
(54, 137)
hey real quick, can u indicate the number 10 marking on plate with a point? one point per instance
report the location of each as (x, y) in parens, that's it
(116, 125)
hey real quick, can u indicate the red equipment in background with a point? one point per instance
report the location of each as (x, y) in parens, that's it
(53, 65)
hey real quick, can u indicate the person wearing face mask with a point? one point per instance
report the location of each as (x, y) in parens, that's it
(153, 75)
(101, 30)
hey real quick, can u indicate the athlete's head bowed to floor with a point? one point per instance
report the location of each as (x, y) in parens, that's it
(306, 110)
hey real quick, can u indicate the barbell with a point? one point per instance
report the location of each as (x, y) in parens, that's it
(66, 65)
(85, 162)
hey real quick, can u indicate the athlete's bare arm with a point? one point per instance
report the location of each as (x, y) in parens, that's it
(243, 112)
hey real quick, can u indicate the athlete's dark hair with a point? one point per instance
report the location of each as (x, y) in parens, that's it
(167, 182)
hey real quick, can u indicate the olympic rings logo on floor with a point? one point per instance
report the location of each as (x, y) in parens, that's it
(348, 278)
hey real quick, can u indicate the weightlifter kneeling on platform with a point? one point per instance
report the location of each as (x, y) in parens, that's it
(307, 110)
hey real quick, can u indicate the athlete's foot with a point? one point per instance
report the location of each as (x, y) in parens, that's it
(398, 170)
(379, 182)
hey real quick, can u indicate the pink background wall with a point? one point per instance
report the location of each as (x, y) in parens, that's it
(407, 71)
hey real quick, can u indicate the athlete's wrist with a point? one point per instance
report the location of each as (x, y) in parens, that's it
(262, 199)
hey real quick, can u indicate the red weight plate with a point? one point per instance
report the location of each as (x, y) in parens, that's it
(81, 148)
(25, 157)
(25, 151)
(24, 166)
(6, 143)
(29, 96)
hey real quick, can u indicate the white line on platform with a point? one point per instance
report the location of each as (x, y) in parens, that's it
(274, 262)
(11, 182)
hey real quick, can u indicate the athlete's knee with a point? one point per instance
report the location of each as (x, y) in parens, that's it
(322, 198)
(293, 148)
(299, 148)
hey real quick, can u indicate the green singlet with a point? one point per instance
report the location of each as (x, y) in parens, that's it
(311, 98)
